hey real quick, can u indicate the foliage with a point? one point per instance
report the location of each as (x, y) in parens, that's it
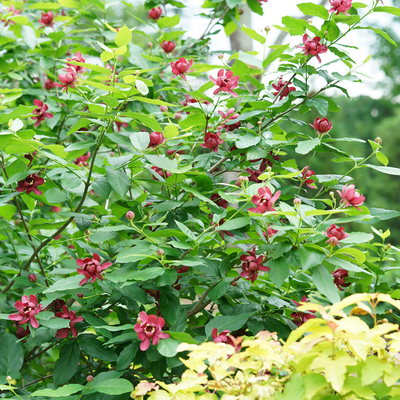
(149, 197)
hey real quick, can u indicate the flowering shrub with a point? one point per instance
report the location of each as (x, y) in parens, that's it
(150, 199)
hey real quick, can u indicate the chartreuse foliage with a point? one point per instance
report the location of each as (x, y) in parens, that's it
(145, 205)
(342, 356)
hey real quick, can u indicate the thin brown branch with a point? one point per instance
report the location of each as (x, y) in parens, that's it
(38, 380)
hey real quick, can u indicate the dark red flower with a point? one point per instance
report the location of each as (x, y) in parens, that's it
(265, 201)
(212, 141)
(270, 232)
(67, 80)
(55, 209)
(155, 13)
(306, 173)
(336, 231)
(322, 125)
(182, 67)
(121, 124)
(49, 84)
(219, 338)
(82, 160)
(21, 332)
(299, 318)
(231, 114)
(14, 12)
(280, 85)
(351, 197)
(27, 308)
(40, 113)
(218, 200)
(78, 58)
(156, 138)
(251, 265)
(168, 47)
(340, 6)
(254, 174)
(313, 46)
(183, 269)
(30, 184)
(71, 315)
(91, 268)
(161, 172)
(225, 82)
(47, 19)
(32, 278)
(150, 327)
(223, 233)
(30, 157)
(339, 278)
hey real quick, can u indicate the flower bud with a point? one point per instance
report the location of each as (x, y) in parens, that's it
(32, 278)
(267, 28)
(332, 194)
(160, 252)
(240, 180)
(210, 216)
(80, 295)
(112, 153)
(325, 33)
(220, 56)
(234, 284)
(240, 11)
(130, 215)
(297, 202)
(178, 116)
(137, 72)
(149, 45)
(89, 378)
(9, 379)
(2, 96)
(259, 122)
(309, 21)
(333, 241)
(378, 140)
(163, 109)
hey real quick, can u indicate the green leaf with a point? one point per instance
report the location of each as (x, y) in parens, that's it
(182, 337)
(67, 363)
(171, 131)
(135, 293)
(306, 146)
(389, 10)
(66, 390)
(127, 355)
(310, 257)
(168, 22)
(134, 254)
(253, 34)
(11, 355)
(18, 112)
(112, 387)
(144, 120)
(323, 281)
(358, 237)
(162, 162)
(118, 180)
(55, 323)
(101, 187)
(151, 101)
(170, 307)
(379, 31)
(234, 224)
(65, 284)
(229, 322)
(167, 347)
(69, 3)
(140, 140)
(142, 87)
(294, 389)
(272, 56)
(320, 104)
(7, 211)
(255, 6)
(358, 255)
(296, 26)
(218, 290)
(54, 196)
(94, 348)
(314, 10)
(82, 123)
(385, 170)
(382, 158)
(279, 270)
(124, 36)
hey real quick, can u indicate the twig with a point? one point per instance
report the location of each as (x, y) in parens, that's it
(221, 161)
(38, 380)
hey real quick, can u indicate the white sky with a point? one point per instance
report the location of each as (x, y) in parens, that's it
(274, 10)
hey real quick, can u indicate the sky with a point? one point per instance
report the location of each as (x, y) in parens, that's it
(274, 10)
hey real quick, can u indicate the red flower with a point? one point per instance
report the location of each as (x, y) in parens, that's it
(270, 232)
(21, 332)
(235, 342)
(78, 58)
(212, 141)
(218, 200)
(67, 80)
(336, 231)
(265, 201)
(47, 19)
(299, 318)
(161, 172)
(27, 308)
(226, 82)
(278, 87)
(156, 138)
(40, 112)
(251, 264)
(231, 114)
(182, 67)
(254, 175)
(82, 160)
(322, 125)
(150, 327)
(223, 233)
(121, 124)
(91, 268)
(71, 315)
(154, 13)
(49, 84)
(340, 6)
(30, 184)
(182, 269)
(219, 338)
(306, 173)
(168, 47)
(55, 209)
(14, 12)
(30, 157)
(313, 46)
(339, 278)
(351, 197)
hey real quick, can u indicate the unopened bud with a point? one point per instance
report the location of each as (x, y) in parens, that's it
(112, 153)
(240, 180)
(309, 21)
(9, 379)
(297, 202)
(89, 378)
(269, 168)
(390, 311)
(178, 116)
(234, 284)
(32, 278)
(378, 140)
(333, 241)
(325, 33)
(163, 109)
(160, 252)
(137, 72)
(220, 56)
(267, 28)
(130, 215)
(2, 96)
(210, 216)
(240, 11)
(80, 295)
(332, 194)
(149, 45)
(259, 122)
